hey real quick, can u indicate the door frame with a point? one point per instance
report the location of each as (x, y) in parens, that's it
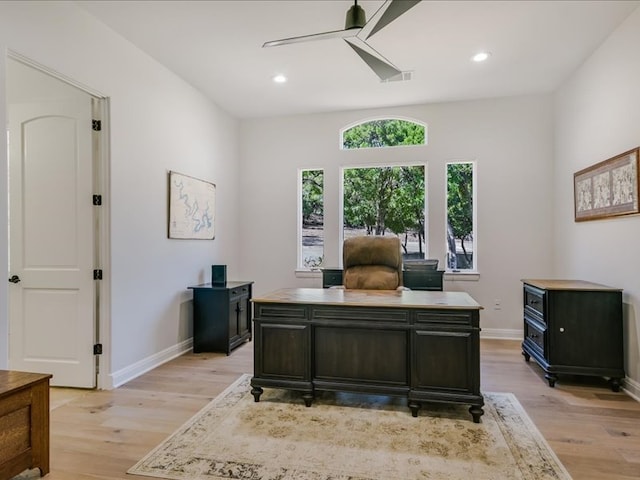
(102, 224)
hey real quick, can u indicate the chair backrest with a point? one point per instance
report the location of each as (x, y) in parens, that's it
(372, 263)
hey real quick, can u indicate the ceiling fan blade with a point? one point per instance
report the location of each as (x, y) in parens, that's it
(352, 32)
(390, 10)
(380, 65)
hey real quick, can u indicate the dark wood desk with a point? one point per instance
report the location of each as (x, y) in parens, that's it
(24, 423)
(424, 346)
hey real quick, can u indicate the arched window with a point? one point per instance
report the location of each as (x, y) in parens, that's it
(385, 132)
(385, 199)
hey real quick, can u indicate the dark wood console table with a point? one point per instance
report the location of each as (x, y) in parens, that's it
(421, 345)
(24, 422)
(413, 279)
(221, 316)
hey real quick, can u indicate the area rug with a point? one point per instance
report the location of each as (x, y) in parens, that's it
(351, 437)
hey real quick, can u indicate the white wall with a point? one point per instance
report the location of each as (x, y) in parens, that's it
(510, 138)
(158, 123)
(597, 117)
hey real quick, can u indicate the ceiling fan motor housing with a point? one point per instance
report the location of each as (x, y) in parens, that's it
(356, 17)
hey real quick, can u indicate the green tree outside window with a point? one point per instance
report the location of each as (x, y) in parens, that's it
(382, 200)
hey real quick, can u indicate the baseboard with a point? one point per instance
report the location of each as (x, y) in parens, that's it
(132, 371)
(631, 388)
(501, 333)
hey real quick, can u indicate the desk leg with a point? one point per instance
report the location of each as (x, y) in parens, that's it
(476, 412)
(308, 399)
(256, 392)
(414, 406)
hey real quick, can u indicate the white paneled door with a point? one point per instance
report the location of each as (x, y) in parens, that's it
(52, 291)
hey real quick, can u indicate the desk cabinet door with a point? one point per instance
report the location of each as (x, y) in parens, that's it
(282, 351)
(444, 360)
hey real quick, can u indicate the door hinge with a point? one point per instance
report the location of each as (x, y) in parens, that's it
(97, 200)
(96, 125)
(97, 274)
(97, 349)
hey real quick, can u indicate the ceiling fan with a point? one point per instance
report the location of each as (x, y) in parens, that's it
(356, 32)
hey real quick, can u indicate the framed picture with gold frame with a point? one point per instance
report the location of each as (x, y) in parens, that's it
(607, 189)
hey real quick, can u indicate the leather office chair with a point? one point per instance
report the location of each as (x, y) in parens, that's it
(372, 263)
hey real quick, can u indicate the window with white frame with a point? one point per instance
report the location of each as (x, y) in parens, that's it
(461, 217)
(311, 219)
(387, 200)
(385, 132)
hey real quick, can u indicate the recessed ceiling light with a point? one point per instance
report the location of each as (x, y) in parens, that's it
(280, 78)
(481, 57)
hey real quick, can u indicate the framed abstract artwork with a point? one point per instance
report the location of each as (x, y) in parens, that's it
(607, 189)
(192, 205)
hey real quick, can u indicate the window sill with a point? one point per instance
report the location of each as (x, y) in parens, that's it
(308, 274)
(462, 276)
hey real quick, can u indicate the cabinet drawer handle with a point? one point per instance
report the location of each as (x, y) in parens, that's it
(562, 329)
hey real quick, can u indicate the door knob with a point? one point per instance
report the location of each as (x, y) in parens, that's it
(14, 279)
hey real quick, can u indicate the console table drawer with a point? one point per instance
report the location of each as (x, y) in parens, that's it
(234, 293)
(534, 301)
(534, 334)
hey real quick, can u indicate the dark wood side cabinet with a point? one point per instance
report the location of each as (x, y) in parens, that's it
(423, 346)
(221, 316)
(574, 327)
(413, 279)
(24, 423)
(423, 279)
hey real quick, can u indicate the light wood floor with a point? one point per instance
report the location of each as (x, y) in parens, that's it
(100, 434)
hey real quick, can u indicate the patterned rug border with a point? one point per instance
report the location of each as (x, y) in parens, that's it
(532, 429)
(535, 434)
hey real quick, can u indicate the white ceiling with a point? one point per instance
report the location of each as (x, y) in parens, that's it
(217, 47)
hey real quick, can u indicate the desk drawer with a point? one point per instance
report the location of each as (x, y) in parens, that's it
(372, 315)
(275, 311)
(448, 318)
